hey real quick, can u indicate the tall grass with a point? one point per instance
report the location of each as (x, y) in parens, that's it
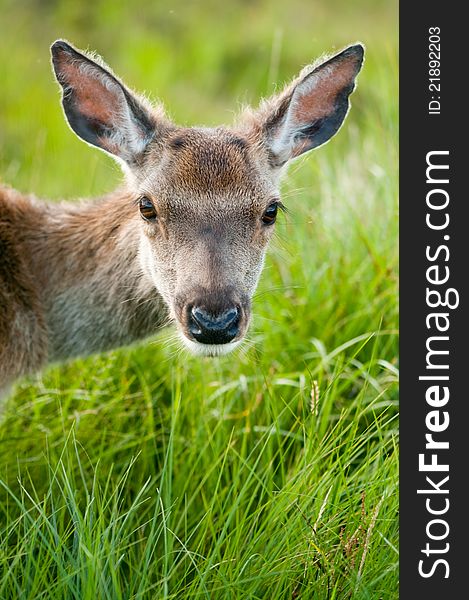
(146, 473)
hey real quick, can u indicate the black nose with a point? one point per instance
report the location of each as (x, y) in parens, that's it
(209, 328)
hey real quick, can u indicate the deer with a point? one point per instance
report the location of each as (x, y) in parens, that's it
(182, 240)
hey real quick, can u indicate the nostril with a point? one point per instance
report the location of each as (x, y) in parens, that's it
(211, 321)
(231, 316)
(210, 328)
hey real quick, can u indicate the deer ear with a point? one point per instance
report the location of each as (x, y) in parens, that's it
(311, 109)
(98, 107)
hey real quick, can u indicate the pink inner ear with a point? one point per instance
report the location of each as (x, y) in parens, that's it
(317, 98)
(93, 98)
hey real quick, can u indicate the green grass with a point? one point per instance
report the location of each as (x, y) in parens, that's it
(272, 473)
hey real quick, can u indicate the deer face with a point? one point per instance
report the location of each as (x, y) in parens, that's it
(205, 199)
(208, 211)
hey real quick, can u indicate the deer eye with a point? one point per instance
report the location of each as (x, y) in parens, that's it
(270, 214)
(147, 209)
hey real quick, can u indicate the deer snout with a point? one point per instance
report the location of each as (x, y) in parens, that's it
(209, 327)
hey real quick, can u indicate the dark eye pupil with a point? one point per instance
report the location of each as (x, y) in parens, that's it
(270, 214)
(147, 210)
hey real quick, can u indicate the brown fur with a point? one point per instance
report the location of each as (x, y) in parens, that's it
(21, 315)
(209, 163)
(83, 278)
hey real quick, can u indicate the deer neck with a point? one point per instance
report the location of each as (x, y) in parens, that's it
(94, 294)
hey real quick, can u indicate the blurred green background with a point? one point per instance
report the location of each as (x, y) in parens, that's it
(272, 473)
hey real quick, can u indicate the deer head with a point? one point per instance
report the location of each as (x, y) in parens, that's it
(205, 199)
